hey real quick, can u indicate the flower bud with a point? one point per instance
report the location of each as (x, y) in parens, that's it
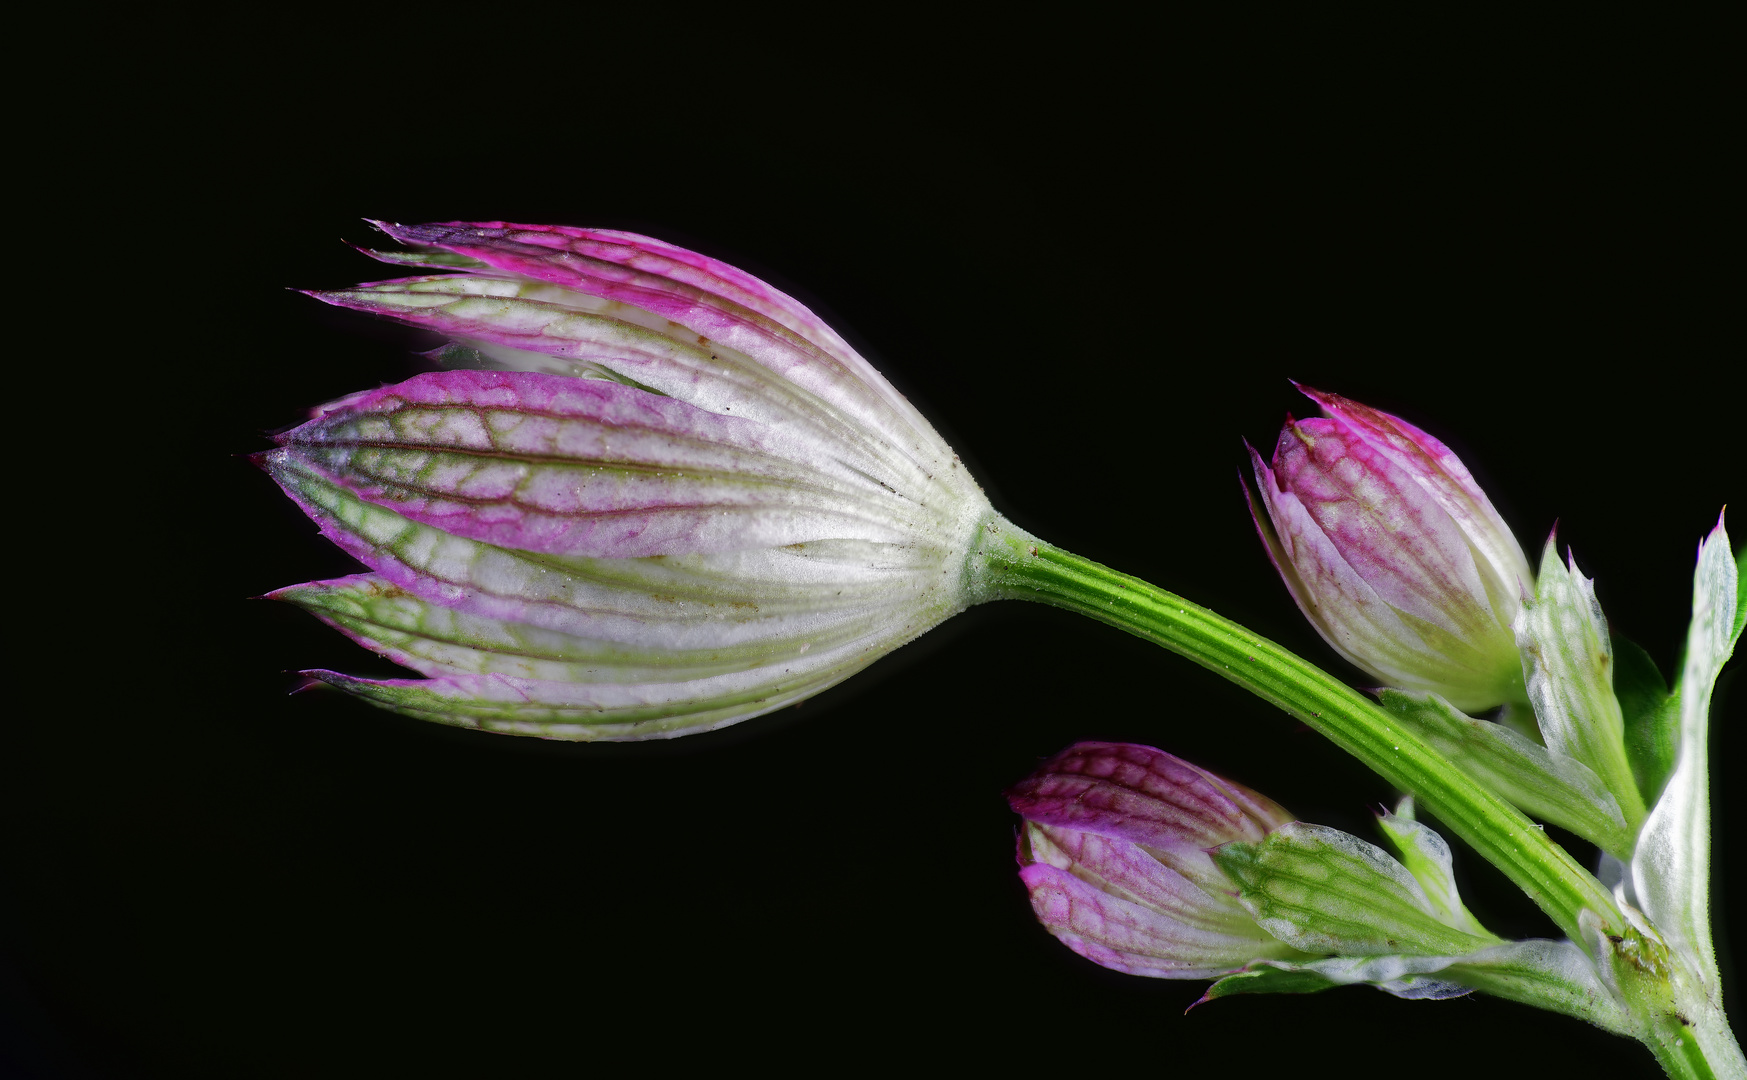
(679, 500)
(1143, 863)
(1114, 852)
(1393, 553)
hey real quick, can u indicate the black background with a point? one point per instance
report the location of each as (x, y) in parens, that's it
(1093, 258)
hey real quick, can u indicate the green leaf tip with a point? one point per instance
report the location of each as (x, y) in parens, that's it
(1325, 891)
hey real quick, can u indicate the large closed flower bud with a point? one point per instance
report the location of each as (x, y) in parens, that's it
(672, 499)
(1115, 854)
(1394, 553)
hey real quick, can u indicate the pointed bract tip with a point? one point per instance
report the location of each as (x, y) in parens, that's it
(1571, 560)
(1323, 398)
(1260, 468)
(333, 298)
(1202, 1000)
(306, 681)
(1718, 532)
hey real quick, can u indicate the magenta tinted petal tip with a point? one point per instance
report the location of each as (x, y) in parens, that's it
(1332, 404)
(307, 680)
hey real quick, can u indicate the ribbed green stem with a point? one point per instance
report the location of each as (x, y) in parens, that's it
(1679, 1052)
(1009, 563)
(1685, 1028)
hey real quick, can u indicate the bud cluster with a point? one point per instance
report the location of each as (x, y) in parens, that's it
(1146, 864)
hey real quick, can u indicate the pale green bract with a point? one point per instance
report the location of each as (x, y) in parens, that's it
(1671, 867)
(1542, 783)
(1568, 670)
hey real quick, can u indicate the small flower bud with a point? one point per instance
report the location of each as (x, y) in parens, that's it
(1114, 852)
(1393, 553)
(1143, 863)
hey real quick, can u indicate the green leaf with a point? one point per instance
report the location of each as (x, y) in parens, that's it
(1403, 976)
(1427, 858)
(1555, 975)
(1671, 867)
(1740, 595)
(1651, 715)
(1548, 785)
(1268, 979)
(1568, 672)
(1325, 891)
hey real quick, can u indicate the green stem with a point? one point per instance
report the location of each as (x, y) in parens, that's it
(1686, 1029)
(1009, 563)
(1679, 1052)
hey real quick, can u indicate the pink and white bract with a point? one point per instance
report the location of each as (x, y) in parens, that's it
(1394, 553)
(1114, 852)
(661, 497)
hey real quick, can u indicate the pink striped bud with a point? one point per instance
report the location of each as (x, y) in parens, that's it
(1146, 864)
(1115, 854)
(1394, 553)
